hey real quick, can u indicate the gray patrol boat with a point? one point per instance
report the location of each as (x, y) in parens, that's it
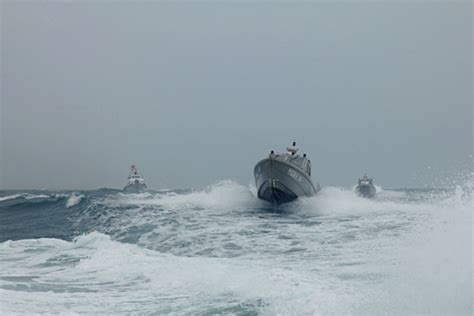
(136, 182)
(281, 178)
(366, 187)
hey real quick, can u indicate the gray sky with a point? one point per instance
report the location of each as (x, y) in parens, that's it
(199, 92)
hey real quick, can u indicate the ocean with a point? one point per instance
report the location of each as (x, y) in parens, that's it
(219, 250)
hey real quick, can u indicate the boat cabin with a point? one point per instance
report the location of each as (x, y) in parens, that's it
(291, 156)
(135, 176)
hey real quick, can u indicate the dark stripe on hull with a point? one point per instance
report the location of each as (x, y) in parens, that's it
(275, 193)
(366, 191)
(280, 182)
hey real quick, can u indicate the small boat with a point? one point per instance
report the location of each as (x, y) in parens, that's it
(281, 178)
(366, 187)
(136, 182)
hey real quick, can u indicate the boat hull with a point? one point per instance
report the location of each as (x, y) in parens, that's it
(367, 191)
(135, 188)
(280, 182)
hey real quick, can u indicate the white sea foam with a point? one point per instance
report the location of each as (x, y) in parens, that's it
(10, 197)
(335, 253)
(26, 196)
(225, 194)
(434, 274)
(94, 273)
(228, 195)
(341, 201)
(74, 199)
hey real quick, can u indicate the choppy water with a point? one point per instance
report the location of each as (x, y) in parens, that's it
(221, 251)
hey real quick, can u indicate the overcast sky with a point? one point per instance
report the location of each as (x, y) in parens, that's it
(198, 92)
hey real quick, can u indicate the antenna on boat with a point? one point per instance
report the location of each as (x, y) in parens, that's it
(292, 149)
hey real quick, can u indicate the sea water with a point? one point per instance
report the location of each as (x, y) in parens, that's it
(220, 250)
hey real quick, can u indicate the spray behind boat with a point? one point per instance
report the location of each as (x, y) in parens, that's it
(283, 177)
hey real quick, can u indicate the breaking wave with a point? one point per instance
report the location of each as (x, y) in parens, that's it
(219, 250)
(97, 272)
(74, 199)
(28, 199)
